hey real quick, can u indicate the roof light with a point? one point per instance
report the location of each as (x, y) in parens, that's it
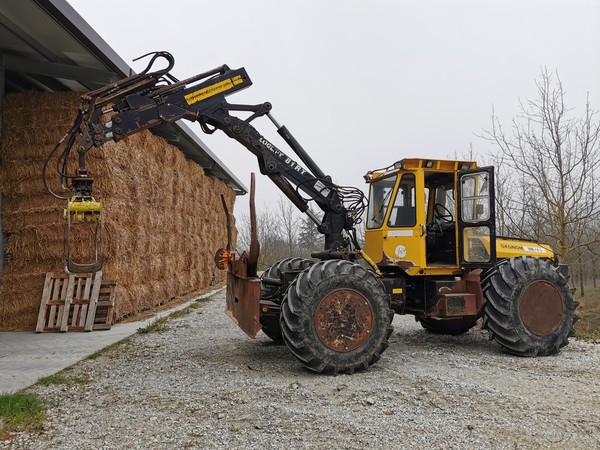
(398, 165)
(429, 164)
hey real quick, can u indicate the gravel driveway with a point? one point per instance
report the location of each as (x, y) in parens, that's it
(204, 384)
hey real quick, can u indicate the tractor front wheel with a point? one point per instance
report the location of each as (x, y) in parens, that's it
(529, 309)
(336, 317)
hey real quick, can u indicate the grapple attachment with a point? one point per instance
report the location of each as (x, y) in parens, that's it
(81, 213)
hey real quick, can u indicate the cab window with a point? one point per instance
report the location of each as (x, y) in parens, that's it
(444, 196)
(404, 213)
(475, 197)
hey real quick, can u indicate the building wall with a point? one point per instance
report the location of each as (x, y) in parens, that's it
(163, 216)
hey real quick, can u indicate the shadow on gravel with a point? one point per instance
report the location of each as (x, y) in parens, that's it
(259, 354)
(418, 339)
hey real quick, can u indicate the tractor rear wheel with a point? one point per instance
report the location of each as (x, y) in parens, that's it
(336, 317)
(452, 327)
(529, 309)
(270, 325)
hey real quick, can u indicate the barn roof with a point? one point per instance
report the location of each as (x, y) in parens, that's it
(46, 45)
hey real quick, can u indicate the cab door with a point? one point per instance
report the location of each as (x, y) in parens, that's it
(403, 239)
(395, 224)
(476, 218)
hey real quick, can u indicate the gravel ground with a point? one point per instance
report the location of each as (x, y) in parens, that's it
(204, 384)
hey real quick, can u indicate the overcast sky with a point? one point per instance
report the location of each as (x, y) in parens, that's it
(362, 84)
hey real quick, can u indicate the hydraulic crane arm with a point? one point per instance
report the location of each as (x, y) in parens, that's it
(152, 98)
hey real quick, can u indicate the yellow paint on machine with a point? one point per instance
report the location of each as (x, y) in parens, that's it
(406, 245)
(507, 248)
(217, 88)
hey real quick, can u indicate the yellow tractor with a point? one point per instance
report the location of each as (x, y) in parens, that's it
(431, 246)
(431, 224)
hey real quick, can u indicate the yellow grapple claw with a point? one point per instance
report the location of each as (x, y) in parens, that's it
(83, 209)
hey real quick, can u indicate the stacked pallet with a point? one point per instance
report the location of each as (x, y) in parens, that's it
(163, 216)
(76, 302)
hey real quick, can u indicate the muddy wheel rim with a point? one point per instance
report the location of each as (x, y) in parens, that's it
(344, 320)
(541, 308)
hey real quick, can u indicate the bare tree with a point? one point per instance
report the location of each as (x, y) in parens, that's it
(288, 224)
(269, 236)
(549, 160)
(309, 238)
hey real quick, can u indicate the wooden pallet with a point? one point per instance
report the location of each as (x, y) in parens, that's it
(105, 306)
(72, 302)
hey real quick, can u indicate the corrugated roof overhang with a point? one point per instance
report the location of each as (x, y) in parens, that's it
(46, 45)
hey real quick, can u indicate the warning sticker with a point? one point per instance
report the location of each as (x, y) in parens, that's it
(217, 88)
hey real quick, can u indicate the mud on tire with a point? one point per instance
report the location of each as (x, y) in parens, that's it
(336, 317)
(529, 308)
(275, 293)
(452, 327)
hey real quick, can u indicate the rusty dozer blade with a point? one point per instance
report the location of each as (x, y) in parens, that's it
(243, 287)
(243, 297)
(83, 212)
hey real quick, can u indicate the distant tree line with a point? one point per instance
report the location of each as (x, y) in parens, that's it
(283, 232)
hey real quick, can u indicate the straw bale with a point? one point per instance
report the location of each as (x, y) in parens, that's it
(12, 202)
(39, 215)
(163, 217)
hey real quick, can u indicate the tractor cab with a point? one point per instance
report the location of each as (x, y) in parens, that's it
(431, 217)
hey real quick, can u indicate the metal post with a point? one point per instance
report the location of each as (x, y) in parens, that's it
(2, 86)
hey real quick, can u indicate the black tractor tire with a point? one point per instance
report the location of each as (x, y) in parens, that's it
(452, 327)
(529, 308)
(336, 317)
(275, 293)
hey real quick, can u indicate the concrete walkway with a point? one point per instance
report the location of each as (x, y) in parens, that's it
(26, 356)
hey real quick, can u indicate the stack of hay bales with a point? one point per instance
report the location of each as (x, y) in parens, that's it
(163, 216)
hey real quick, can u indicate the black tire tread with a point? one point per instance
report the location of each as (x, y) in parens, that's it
(502, 287)
(275, 271)
(296, 317)
(276, 293)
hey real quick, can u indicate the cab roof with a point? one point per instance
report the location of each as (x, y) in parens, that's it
(416, 164)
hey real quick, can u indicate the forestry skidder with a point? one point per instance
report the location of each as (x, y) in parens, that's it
(431, 246)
